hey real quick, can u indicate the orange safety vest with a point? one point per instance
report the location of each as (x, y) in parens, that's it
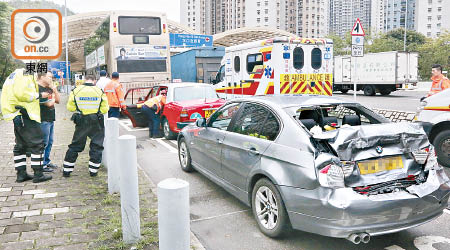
(159, 101)
(114, 93)
(439, 83)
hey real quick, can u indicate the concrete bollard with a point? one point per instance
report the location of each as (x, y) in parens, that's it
(105, 147)
(112, 132)
(129, 192)
(173, 214)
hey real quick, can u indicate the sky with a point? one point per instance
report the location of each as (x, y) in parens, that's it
(171, 7)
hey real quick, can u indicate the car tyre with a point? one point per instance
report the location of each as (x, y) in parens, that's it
(344, 91)
(369, 90)
(184, 156)
(168, 134)
(269, 210)
(442, 147)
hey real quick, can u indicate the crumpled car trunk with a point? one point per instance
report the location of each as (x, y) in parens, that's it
(382, 154)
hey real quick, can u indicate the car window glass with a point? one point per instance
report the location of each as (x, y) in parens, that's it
(299, 58)
(255, 63)
(316, 58)
(340, 111)
(251, 120)
(237, 64)
(222, 118)
(221, 74)
(270, 127)
(153, 94)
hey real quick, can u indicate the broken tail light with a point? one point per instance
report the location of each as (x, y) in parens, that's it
(331, 176)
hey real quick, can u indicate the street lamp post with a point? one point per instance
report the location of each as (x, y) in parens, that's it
(67, 48)
(406, 20)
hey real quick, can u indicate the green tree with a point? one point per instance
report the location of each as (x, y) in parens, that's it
(100, 37)
(434, 51)
(340, 46)
(393, 41)
(7, 63)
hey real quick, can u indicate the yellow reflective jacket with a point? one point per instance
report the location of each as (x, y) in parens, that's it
(89, 98)
(20, 90)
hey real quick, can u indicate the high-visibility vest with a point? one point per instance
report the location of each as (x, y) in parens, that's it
(114, 92)
(439, 83)
(87, 99)
(159, 101)
(21, 90)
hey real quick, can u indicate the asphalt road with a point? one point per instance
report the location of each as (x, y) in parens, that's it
(401, 100)
(221, 222)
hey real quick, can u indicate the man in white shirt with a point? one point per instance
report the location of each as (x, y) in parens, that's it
(101, 83)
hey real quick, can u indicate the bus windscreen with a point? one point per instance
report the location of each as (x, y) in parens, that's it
(129, 25)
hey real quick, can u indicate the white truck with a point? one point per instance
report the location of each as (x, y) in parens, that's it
(436, 110)
(278, 66)
(382, 72)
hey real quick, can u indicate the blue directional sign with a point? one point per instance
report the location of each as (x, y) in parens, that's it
(190, 40)
(58, 68)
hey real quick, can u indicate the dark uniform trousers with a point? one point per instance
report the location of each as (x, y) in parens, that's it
(29, 139)
(89, 126)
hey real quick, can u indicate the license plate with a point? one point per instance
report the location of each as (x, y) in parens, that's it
(380, 165)
(209, 112)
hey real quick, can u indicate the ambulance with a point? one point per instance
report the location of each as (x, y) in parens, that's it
(278, 66)
(436, 110)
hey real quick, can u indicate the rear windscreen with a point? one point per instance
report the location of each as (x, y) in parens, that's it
(139, 25)
(128, 66)
(194, 93)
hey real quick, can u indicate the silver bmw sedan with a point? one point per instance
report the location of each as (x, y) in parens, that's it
(318, 164)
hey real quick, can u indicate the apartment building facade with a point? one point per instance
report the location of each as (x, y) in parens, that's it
(432, 17)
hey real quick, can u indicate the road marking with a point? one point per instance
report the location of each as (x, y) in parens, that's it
(173, 143)
(446, 211)
(126, 124)
(221, 215)
(165, 144)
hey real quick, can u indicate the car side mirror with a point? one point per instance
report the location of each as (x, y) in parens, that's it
(201, 122)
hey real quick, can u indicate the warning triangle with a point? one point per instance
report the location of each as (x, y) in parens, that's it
(358, 29)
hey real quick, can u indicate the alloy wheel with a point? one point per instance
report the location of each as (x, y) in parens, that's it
(183, 154)
(266, 208)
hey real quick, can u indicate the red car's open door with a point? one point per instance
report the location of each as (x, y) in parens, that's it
(136, 96)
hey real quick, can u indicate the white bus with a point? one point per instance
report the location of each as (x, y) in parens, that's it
(134, 43)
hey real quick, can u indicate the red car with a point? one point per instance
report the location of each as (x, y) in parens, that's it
(185, 103)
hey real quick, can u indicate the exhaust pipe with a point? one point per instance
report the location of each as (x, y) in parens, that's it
(354, 238)
(365, 237)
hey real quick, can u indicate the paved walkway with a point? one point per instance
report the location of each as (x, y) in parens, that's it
(74, 213)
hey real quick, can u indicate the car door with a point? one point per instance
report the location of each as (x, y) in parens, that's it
(248, 138)
(207, 147)
(133, 97)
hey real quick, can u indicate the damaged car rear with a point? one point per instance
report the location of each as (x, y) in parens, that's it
(375, 177)
(319, 164)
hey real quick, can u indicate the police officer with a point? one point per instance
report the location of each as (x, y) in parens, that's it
(20, 103)
(89, 104)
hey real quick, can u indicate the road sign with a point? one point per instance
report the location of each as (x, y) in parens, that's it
(357, 50)
(190, 40)
(357, 40)
(58, 68)
(358, 29)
